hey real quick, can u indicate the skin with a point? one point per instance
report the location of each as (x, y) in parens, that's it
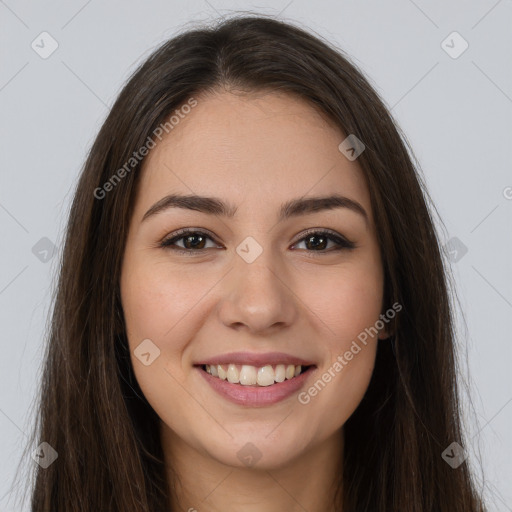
(251, 150)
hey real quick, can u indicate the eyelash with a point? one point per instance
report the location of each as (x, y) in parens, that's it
(331, 235)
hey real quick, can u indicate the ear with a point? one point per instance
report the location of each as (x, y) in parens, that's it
(386, 332)
(388, 322)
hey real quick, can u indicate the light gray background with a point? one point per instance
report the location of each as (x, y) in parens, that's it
(456, 113)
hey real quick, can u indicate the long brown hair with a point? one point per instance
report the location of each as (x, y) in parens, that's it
(91, 410)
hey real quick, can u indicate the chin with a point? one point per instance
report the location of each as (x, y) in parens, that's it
(256, 452)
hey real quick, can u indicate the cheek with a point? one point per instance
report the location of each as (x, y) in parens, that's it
(158, 305)
(166, 306)
(347, 307)
(346, 302)
(155, 301)
(348, 336)
(338, 389)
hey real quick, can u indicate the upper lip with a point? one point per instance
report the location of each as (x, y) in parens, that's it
(254, 359)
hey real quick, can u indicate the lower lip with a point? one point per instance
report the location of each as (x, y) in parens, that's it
(254, 396)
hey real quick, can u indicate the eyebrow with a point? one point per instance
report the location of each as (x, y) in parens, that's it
(292, 208)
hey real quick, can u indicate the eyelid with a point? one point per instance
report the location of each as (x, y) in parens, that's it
(186, 231)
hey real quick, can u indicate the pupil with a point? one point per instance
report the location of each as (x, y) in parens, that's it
(190, 237)
(317, 244)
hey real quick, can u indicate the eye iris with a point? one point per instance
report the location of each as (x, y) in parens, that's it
(188, 238)
(320, 245)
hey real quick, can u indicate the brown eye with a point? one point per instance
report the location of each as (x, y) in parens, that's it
(192, 241)
(317, 241)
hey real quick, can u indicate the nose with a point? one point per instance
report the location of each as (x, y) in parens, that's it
(257, 297)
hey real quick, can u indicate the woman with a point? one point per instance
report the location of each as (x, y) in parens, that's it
(252, 311)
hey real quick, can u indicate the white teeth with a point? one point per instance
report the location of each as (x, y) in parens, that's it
(266, 376)
(233, 374)
(280, 373)
(222, 373)
(248, 375)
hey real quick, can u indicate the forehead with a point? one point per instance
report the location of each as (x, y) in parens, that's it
(260, 148)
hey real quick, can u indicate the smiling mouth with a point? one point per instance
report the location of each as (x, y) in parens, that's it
(248, 375)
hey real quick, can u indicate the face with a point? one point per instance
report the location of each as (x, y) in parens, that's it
(257, 286)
